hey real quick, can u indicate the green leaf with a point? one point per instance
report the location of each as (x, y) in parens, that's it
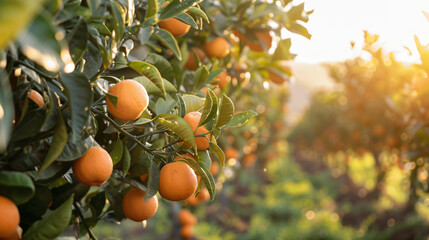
(145, 34)
(165, 105)
(205, 175)
(283, 51)
(299, 29)
(297, 13)
(126, 161)
(198, 12)
(214, 148)
(200, 77)
(226, 111)
(116, 153)
(79, 94)
(118, 20)
(152, 10)
(59, 141)
(153, 180)
(112, 98)
(193, 103)
(154, 90)
(204, 158)
(162, 64)
(17, 186)
(14, 16)
(241, 118)
(175, 7)
(210, 108)
(73, 151)
(168, 40)
(78, 40)
(215, 73)
(179, 126)
(187, 19)
(53, 225)
(7, 112)
(151, 72)
(182, 105)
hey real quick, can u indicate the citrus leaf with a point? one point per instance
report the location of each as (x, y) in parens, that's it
(175, 7)
(179, 126)
(14, 16)
(214, 148)
(182, 105)
(126, 161)
(151, 72)
(198, 12)
(73, 151)
(166, 38)
(154, 90)
(205, 175)
(78, 40)
(79, 94)
(241, 118)
(283, 51)
(59, 141)
(6, 111)
(226, 111)
(210, 108)
(118, 20)
(17, 186)
(200, 77)
(299, 29)
(204, 158)
(187, 19)
(53, 225)
(162, 64)
(193, 103)
(153, 179)
(116, 153)
(152, 10)
(214, 74)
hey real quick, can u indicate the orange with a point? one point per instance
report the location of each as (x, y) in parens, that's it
(192, 200)
(187, 231)
(249, 160)
(174, 26)
(36, 97)
(132, 100)
(9, 217)
(193, 118)
(144, 177)
(256, 46)
(203, 195)
(94, 167)
(218, 48)
(17, 235)
(214, 168)
(135, 209)
(231, 153)
(177, 181)
(190, 63)
(187, 218)
(276, 78)
(223, 79)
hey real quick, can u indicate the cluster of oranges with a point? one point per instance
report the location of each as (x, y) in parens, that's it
(187, 221)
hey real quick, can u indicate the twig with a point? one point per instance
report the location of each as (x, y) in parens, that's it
(91, 234)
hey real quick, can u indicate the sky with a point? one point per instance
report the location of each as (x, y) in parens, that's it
(335, 23)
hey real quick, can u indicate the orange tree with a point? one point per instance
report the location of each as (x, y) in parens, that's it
(94, 97)
(381, 111)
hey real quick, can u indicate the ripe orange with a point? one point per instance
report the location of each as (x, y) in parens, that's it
(9, 217)
(192, 200)
(135, 209)
(231, 153)
(17, 235)
(190, 63)
(218, 48)
(187, 231)
(214, 168)
(94, 167)
(187, 218)
(256, 46)
(177, 181)
(144, 177)
(223, 79)
(132, 100)
(174, 26)
(203, 195)
(193, 118)
(249, 160)
(276, 78)
(36, 97)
